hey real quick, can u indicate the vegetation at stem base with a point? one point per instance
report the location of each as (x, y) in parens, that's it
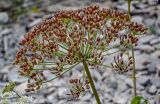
(9, 96)
(139, 100)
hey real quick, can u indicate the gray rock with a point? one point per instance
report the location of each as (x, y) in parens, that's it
(35, 22)
(5, 40)
(141, 5)
(5, 32)
(122, 87)
(2, 63)
(86, 97)
(143, 80)
(21, 88)
(124, 6)
(151, 68)
(155, 41)
(149, 21)
(129, 82)
(141, 61)
(157, 46)
(120, 100)
(62, 91)
(152, 89)
(145, 48)
(4, 18)
(5, 4)
(156, 54)
(156, 82)
(14, 76)
(59, 7)
(138, 19)
(146, 39)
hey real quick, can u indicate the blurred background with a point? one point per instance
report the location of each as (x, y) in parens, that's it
(19, 16)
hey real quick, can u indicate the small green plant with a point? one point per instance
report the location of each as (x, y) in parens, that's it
(139, 100)
(74, 37)
(9, 96)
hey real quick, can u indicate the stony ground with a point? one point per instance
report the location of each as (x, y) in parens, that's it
(16, 18)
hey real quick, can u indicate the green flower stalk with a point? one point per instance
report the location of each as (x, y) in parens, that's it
(73, 37)
(132, 48)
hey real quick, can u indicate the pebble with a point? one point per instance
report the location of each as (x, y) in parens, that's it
(62, 91)
(152, 89)
(138, 19)
(156, 54)
(149, 21)
(5, 32)
(35, 22)
(54, 8)
(145, 48)
(124, 7)
(156, 82)
(120, 100)
(141, 61)
(86, 97)
(5, 4)
(21, 88)
(4, 18)
(155, 41)
(143, 80)
(146, 39)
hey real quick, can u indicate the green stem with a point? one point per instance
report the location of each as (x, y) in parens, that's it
(68, 69)
(134, 66)
(111, 53)
(91, 82)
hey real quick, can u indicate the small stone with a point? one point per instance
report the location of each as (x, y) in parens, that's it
(4, 18)
(129, 83)
(145, 48)
(120, 100)
(152, 89)
(122, 87)
(13, 76)
(143, 80)
(151, 68)
(5, 40)
(156, 82)
(62, 91)
(124, 6)
(5, 4)
(35, 22)
(58, 7)
(156, 54)
(86, 97)
(155, 41)
(157, 46)
(142, 60)
(5, 32)
(138, 19)
(146, 39)
(149, 21)
(140, 6)
(21, 88)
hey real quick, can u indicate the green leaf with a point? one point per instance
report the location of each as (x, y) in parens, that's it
(9, 87)
(153, 29)
(135, 33)
(59, 54)
(138, 99)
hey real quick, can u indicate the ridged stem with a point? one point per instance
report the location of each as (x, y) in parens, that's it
(132, 48)
(91, 82)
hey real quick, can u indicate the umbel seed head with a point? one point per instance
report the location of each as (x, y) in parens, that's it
(73, 36)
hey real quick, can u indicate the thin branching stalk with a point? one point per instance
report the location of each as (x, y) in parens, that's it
(132, 48)
(91, 82)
